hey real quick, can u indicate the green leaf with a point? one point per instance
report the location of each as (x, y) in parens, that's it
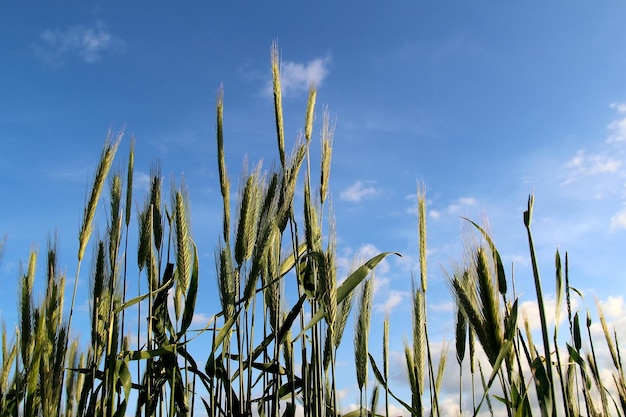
(542, 385)
(125, 377)
(575, 356)
(381, 381)
(137, 355)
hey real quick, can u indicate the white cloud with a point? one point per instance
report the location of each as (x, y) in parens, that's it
(467, 201)
(530, 310)
(357, 192)
(460, 203)
(618, 221)
(141, 181)
(434, 214)
(87, 43)
(296, 77)
(201, 319)
(442, 307)
(618, 127)
(613, 307)
(394, 298)
(584, 165)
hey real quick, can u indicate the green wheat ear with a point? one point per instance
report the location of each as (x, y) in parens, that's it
(328, 133)
(362, 331)
(110, 148)
(183, 249)
(421, 211)
(278, 103)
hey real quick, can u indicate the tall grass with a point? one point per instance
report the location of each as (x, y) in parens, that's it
(263, 356)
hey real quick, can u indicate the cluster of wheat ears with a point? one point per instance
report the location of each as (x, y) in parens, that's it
(265, 357)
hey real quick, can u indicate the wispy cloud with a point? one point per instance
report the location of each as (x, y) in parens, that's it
(453, 207)
(358, 191)
(618, 221)
(297, 77)
(605, 159)
(392, 299)
(585, 165)
(461, 203)
(87, 43)
(618, 127)
(613, 307)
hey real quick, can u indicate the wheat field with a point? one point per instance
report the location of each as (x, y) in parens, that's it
(263, 356)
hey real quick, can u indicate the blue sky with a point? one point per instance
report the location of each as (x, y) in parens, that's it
(481, 102)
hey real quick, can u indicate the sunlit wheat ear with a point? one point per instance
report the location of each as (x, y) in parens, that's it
(421, 212)
(183, 250)
(419, 336)
(310, 112)
(386, 360)
(247, 219)
(102, 171)
(571, 391)
(150, 260)
(226, 281)
(271, 292)
(329, 284)
(412, 374)
(529, 335)
(26, 307)
(288, 186)
(55, 290)
(116, 220)
(278, 105)
(362, 332)
(100, 299)
(607, 335)
(71, 378)
(490, 304)
(221, 163)
(9, 354)
(312, 230)
(442, 365)
(156, 201)
(328, 133)
(344, 309)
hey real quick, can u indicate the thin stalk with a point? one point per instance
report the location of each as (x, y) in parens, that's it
(540, 303)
